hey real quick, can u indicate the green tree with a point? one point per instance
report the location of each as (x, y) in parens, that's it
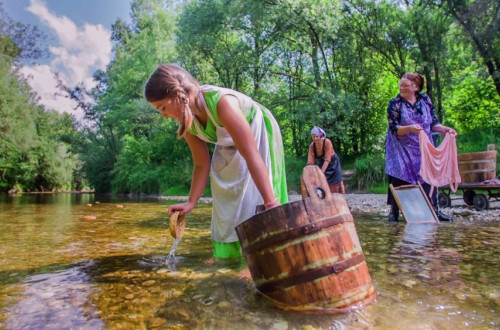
(475, 104)
(35, 145)
(430, 29)
(17, 129)
(20, 42)
(383, 28)
(328, 63)
(480, 21)
(121, 116)
(56, 163)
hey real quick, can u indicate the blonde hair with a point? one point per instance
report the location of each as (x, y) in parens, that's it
(172, 81)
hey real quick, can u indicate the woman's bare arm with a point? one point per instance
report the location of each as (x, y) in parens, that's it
(201, 167)
(237, 126)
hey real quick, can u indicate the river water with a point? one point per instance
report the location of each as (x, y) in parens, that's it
(60, 271)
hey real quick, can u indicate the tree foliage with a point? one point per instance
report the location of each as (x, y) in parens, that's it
(36, 146)
(480, 21)
(20, 42)
(335, 64)
(327, 63)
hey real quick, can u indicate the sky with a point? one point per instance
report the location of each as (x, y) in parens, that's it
(78, 39)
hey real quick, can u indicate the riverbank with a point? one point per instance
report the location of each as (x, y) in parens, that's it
(459, 210)
(376, 204)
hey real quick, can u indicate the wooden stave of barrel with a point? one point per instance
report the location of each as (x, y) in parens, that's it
(477, 167)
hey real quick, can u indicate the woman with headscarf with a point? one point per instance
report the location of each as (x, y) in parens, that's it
(321, 153)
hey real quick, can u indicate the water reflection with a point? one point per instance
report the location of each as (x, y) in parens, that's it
(58, 270)
(428, 261)
(60, 298)
(419, 236)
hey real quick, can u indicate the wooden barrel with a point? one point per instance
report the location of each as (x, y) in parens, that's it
(475, 167)
(305, 255)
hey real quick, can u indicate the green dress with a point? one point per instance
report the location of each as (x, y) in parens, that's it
(235, 196)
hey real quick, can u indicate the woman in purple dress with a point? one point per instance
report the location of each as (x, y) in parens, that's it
(409, 113)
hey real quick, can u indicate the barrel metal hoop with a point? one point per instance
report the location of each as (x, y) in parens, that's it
(311, 275)
(298, 232)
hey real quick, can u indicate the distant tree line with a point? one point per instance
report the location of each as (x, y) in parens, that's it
(36, 146)
(330, 63)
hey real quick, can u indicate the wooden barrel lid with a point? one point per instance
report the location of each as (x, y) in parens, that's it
(177, 225)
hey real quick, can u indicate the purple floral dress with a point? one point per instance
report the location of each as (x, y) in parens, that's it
(402, 153)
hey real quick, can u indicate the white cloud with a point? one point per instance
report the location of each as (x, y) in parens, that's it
(80, 52)
(42, 80)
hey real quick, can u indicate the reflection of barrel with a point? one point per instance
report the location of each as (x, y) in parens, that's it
(477, 166)
(306, 255)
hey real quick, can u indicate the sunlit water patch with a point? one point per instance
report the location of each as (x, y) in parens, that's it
(61, 298)
(58, 270)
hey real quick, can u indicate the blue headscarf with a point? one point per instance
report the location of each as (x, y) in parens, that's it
(318, 131)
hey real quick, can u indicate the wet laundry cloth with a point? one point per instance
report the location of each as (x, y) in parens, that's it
(439, 166)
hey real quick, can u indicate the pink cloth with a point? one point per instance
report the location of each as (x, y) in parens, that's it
(439, 166)
(491, 181)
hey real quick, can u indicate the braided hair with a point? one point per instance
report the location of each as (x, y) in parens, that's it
(172, 81)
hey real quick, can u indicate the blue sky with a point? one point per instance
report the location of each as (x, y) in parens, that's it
(103, 12)
(78, 38)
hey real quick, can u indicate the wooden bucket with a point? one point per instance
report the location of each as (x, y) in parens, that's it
(476, 167)
(305, 255)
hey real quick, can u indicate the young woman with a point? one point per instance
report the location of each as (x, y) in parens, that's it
(247, 166)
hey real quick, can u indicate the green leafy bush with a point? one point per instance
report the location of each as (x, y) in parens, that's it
(294, 166)
(369, 171)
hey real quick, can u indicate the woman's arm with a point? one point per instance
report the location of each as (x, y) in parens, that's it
(201, 161)
(237, 126)
(394, 115)
(394, 119)
(441, 129)
(329, 152)
(403, 130)
(436, 125)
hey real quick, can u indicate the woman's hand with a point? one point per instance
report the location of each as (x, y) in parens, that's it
(449, 130)
(441, 129)
(403, 130)
(271, 205)
(415, 129)
(184, 208)
(267, 206)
